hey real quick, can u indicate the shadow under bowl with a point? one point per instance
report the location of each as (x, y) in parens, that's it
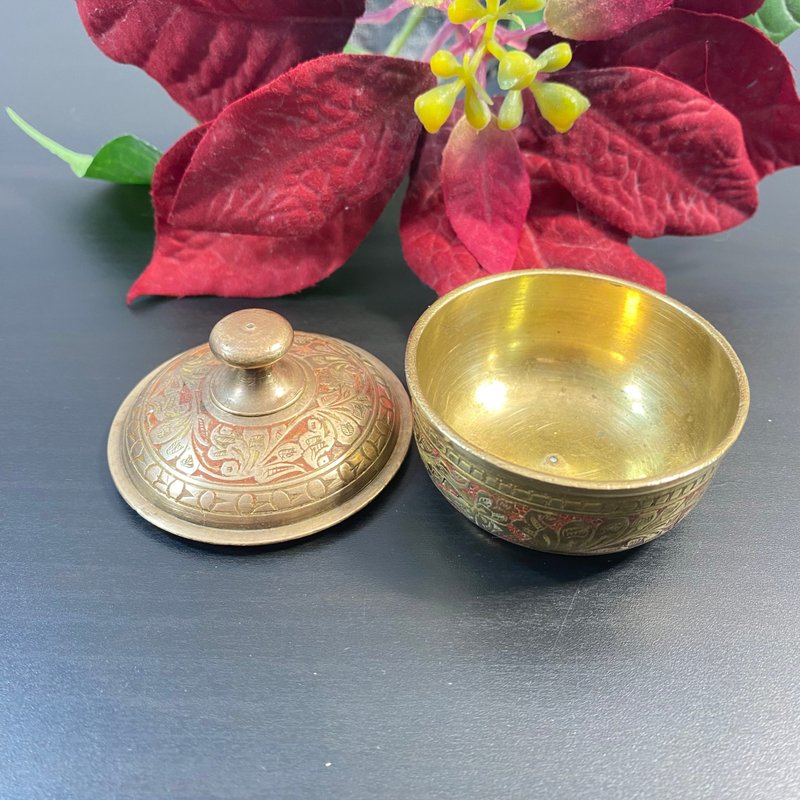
(571, 412)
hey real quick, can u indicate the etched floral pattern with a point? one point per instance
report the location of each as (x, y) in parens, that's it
(197, 457)
(529, 517)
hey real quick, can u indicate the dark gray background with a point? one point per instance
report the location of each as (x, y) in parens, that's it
(404, 654)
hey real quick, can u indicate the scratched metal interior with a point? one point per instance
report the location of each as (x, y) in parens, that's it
(578, 378)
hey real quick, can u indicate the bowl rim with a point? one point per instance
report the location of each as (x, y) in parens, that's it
(714, 455)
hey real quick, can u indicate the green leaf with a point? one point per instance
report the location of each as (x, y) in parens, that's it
(777, 18)
(126, 159)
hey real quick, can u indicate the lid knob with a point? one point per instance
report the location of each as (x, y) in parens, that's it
(251, 338)
(258, 377)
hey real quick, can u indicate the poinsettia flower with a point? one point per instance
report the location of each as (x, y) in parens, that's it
(656, 127)
(675, 142)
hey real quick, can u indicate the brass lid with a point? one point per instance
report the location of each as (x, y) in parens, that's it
(262, 435)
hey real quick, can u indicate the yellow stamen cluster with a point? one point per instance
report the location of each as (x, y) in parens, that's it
(559, 104)
(434, 107)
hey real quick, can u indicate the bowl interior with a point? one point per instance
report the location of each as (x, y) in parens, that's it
(578, 377)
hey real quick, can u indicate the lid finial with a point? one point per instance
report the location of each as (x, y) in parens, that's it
(257, 378)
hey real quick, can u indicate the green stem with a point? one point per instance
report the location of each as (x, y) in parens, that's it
(477, 57)
(402, 36)
(79, 162)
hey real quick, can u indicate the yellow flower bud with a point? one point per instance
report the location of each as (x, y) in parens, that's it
(461, 11)
(435, 106)
(516, 71)
(554, 58)
(445, 65)
(476, 111)
(559, 104)
(510, 115)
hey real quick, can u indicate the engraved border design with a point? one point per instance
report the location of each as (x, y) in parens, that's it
(542, 518)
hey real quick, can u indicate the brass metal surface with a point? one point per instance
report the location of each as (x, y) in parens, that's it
(571, 412)
(263, 377)
(261, 436)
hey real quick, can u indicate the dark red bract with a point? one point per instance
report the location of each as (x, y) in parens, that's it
(208, 53)
(195, 254)
(652, 156)
(733, 8)
(756, 85)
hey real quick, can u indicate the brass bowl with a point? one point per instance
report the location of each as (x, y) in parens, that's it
(571, 412)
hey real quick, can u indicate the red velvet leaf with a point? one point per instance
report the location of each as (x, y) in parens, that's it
(208, 53)
(599, 19)
(756, 84)
(558, 232)
(322, 138)
(486, 192)
(652, 155)
(733, 8)
(561, 233)
(192, 262)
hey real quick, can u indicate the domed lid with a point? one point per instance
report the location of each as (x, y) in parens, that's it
(262, 435)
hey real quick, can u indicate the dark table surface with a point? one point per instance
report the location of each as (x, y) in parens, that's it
(403, 654)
